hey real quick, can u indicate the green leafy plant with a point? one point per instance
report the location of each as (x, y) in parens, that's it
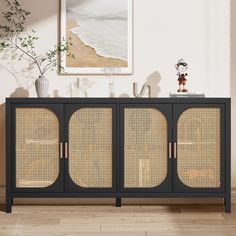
(15, 36)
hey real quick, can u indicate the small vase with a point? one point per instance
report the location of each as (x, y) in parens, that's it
(42, 86)
(76, 90)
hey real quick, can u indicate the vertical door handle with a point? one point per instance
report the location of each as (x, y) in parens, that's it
(175, 151)
(170, 150)
(66, 150)
(61, 150)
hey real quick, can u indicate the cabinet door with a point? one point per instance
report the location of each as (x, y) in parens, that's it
(37, 135)
(200, 153)
(90, 134)
(145, 140)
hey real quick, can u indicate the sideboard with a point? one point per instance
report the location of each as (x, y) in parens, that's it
(118, 148)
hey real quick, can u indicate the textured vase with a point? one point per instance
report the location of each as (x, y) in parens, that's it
(42, 86)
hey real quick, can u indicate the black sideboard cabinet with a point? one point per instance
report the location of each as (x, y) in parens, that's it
(118, 148)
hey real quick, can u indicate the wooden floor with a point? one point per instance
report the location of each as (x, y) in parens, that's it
(172, 220)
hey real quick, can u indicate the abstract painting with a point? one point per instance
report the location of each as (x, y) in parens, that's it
(101, 35)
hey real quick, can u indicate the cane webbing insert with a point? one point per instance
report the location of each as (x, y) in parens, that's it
(145, 151)
(90, 147)
(37, 154)
(198, 148)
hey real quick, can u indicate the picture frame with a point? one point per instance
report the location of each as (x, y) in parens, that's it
(101, 36)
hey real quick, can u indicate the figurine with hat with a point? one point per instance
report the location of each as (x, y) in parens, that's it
(182, 68)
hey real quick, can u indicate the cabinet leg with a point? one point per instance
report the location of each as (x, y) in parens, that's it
(227, 203)
(118, 202)
(8, 207)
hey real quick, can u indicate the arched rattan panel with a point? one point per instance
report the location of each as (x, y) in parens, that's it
(37, 142)
(90, 147)
(198, 147)
(145, 150)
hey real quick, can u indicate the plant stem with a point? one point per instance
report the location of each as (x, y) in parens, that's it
(48, 66)
(32, 58)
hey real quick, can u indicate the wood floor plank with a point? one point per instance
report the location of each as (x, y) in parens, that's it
(108, 234)
(175, 220)
(188, 233)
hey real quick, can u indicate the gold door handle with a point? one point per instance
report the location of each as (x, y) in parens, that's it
(61, 150)
(175, 151)
(66, 150)
(170, 151)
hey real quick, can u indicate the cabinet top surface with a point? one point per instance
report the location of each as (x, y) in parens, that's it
(116, 100)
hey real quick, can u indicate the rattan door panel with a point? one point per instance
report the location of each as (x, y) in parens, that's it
(145, 160)
(90, 147)
(200, 155)
(36, 147)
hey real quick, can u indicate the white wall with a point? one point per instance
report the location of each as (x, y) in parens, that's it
(164, 31)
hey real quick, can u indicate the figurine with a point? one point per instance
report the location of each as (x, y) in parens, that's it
(182, 68)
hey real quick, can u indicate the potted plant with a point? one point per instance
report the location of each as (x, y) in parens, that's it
(15, 36)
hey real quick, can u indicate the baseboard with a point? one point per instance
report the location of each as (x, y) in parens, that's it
(133, 201)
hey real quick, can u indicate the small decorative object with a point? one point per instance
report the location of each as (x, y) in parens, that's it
(182, 68)
(15, 36)
(76, 90)
(56, 93)
(109, 72)
(143, 90)
(111, 89)
(144, 172)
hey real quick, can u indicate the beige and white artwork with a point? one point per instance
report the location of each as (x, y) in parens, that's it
(101, 35)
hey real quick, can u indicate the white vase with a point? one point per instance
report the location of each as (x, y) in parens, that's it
(42, 86)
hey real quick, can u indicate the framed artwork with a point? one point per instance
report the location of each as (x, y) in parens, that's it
(101, 35)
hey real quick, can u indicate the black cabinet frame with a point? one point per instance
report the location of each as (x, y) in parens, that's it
(118, 191)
